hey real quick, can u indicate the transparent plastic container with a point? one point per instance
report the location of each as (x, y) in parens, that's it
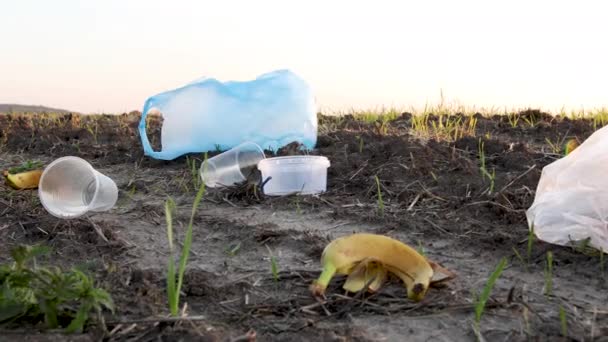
(233, 166)
(70, 187)
(305, 175)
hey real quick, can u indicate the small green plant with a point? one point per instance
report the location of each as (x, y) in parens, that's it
(62, 299)
(173, 285)
(484, 171)
(420, 124)
(549, 274)
(298, 209)
(233, 250)
(531, 238)
(600, 118)
(421, 248)
(563, 319)
(531, 120)
(93, 132)
(485, 294)
(382, 125)
(274, 267)
(554, 146)
(132, 190)
(193, 168)
(513, 119)
(380, 200)
(360, 143)
(520, 258)
(26, 166)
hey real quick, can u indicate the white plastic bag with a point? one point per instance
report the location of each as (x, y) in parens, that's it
(571, 201)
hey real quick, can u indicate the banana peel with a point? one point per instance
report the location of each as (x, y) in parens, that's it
(368, 272)
(368, 259)
(23, 180)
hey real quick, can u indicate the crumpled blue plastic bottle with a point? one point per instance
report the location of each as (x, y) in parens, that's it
(273, 110)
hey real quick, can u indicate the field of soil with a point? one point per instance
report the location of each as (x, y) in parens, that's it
(435, 198)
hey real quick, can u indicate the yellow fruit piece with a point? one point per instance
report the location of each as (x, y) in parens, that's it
(343, 254)
(571, 145)
(367, 272)
(24, 180)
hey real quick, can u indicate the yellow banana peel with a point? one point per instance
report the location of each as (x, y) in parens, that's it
(23, 180)
(367, 259)
(368, 273)
(570, 146)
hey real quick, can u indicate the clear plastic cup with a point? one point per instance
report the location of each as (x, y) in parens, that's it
(233, 166)
(70, 187)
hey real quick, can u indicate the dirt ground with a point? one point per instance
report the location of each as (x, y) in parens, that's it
(434, 195)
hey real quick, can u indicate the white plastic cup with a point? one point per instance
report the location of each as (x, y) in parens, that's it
(233, 166)
(304, 175)
(70, 187)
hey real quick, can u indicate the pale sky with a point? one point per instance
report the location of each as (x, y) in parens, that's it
(109, 56)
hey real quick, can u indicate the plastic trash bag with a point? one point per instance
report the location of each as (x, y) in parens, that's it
(571, 201)
(273, 110)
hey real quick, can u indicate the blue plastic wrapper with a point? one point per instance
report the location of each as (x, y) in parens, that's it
(273, 110)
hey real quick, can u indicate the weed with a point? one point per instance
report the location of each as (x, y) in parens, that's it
(233, 250)
(520, 258)
(485, 294)
(531, 120)
(380, 200)
(194, 174)
(484, 171)
(173, 287)
(48, 293)
(531, 238)
(360, 144)
(421, 248)
(420, 124)
(600, 118)
(132, 190)
(554, 146)
(513, 119)
(298, 209)
(93, 132)
(26, 166)
(382, 126)
(549, 274)
(583, 247)
(274, 267)
(563, 319)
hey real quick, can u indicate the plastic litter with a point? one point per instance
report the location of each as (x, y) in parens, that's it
(273, 110)
(571, 201)
(233, 166)
(70, 187)
(305, 175)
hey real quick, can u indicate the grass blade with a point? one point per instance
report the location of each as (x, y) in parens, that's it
(549, 274)
(171, 293)
(531, 237)
(485, 294)
(380, 200)
(520, 258)
(183, 261)
(563, 319)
